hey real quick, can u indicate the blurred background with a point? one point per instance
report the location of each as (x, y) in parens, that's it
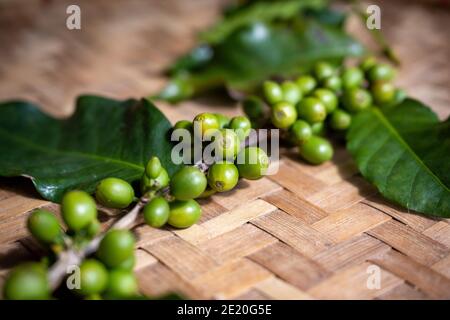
(124, 45)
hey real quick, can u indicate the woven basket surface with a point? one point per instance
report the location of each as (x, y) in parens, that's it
(305, 233)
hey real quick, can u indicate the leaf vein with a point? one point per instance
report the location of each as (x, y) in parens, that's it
(67, 152)
(395, 133)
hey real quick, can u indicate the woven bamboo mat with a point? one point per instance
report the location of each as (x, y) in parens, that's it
(305, 233)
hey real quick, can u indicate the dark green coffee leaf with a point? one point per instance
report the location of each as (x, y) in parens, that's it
(255, 52)
(258, 12)
(404, 151)
(103, 138)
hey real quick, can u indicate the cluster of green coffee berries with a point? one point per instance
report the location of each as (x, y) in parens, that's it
(173, 207)
(328, 98)
(232, 160)
(108, 273)
(178, 207)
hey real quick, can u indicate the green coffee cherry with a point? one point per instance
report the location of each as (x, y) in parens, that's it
(291, 92)
(115, 247)
(114, 193)
(188, 183)
(176, 90)
(226, 144)
(323, 70)
(356, 99)
(368, 63)
(156, 212)
(242, 126)
(146, 184)
(185, 125)
(153, 168)
(205, 124)
(93, 277)
(333, 83)
(300, 131)
(352, 78)
(283, 115)
(399, 96)
(121, 284)
(306, 84)
(197, 153)
(224, 121)
(223, 176)
(316, 150)
(327, 97)
(252, 163)
(340, 120)
(272, 92)
(27, 282)
(318, 128)
(78, 209)
(312, 110)
(93, 228)
(383, 92)
(128, 264)
(44, 226)
(184, 214)
(381, 72)
(160, 182)
(253, 107)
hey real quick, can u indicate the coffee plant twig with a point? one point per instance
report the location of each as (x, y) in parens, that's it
(74, 257)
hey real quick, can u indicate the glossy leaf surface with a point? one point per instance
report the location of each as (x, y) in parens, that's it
(103, 138)
(404, 151)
